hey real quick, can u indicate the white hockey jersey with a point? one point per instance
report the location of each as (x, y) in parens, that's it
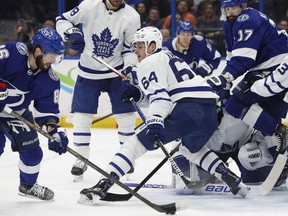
(165, 79)
(107, 34)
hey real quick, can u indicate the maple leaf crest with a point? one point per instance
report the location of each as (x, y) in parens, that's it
(104, 45)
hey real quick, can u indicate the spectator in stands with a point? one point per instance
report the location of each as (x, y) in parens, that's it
(283, 24)
(210, 27)
(166, 35)
(183, 10)
(154, 18)
(25, 29)
(141, 9)
(133, 3)
(209, 21)
(164, 6)
(21, 31)
(49, 24)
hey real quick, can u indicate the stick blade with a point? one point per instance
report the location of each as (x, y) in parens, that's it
(268, 184)
(179, 205)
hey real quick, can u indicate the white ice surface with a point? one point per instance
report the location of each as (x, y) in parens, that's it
(55, 174)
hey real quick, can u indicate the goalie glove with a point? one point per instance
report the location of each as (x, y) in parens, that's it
(253, 156)
(76, 38)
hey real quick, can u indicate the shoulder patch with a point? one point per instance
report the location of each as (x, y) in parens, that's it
(53, 75)
(22, 48)
(198, 37)
(243, 18)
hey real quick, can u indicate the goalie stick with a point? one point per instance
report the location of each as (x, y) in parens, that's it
(213, 188)
(170, 208)
(265, 187)
(178, 171)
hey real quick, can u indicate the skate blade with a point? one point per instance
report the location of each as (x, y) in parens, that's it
(35, 198)
(90, 199)
(77, 178)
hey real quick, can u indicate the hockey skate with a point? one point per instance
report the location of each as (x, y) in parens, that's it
(89, 196)
(281, 134)
(233, 181)
(36, 192)
(78, 169)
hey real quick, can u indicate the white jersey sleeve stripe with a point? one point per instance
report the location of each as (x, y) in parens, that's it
(245, 52)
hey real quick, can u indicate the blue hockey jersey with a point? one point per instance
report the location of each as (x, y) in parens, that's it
(198, 49)
(253, 43)
(25, 86)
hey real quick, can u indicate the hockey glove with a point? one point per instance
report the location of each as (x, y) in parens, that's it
(3, 95)
(243, 93)
(252, 76)
(130, 91)
(204, 70)
(155, 129)
(224, 81)
(60, 142)
(217, 82)
(76, 38)
(130, 72)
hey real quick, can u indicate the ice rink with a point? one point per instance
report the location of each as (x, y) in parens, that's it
(55, 174)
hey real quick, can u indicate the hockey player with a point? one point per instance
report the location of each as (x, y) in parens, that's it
(25, 76)
(191, 48)
(255, 47)
(108, 26)
(236, 140)
(181, 105)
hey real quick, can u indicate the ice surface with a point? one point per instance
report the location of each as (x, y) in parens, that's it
(55, 174)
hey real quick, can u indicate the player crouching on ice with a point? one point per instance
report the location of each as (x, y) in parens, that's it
(181, 105)
(26, 76)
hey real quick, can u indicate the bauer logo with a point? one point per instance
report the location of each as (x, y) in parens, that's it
(217, 188)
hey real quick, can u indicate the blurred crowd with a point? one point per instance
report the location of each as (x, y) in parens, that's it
(205, 16)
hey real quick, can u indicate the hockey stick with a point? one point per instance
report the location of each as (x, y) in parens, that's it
(126, 197)
(170, 208)
(188, 183)
(266, 186)
(102, 118)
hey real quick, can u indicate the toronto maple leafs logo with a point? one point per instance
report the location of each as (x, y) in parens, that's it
(229, 148)
(104, 45)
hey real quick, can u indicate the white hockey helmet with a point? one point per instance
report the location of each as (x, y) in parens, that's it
(148, 35)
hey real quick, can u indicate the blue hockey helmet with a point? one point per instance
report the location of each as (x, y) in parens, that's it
(231, 3)
(49, 40)
(184, 26)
